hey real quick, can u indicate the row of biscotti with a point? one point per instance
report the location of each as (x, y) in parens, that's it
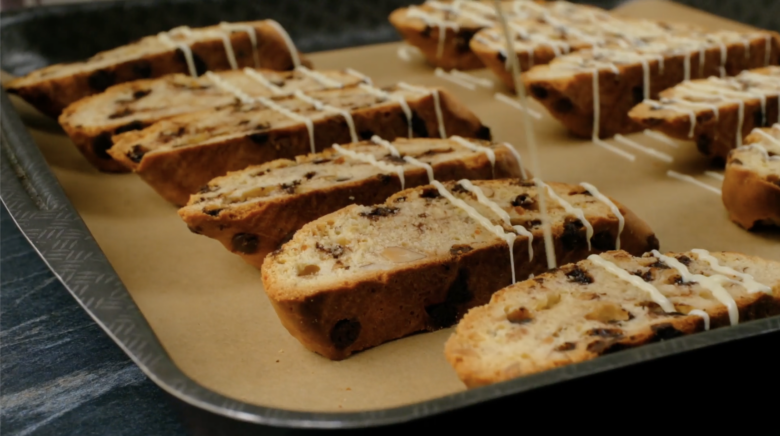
(257, 44)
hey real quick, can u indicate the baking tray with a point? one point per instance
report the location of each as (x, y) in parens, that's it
(52, 220)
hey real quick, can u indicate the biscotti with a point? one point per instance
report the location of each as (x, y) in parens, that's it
(751, 185)
(179, 155)
(257, 44)
(253, 211)
(606, 304)
(715, 113)
(366, 275)
(537, 42)
(92, 121)
(442, 30)
(592, 91)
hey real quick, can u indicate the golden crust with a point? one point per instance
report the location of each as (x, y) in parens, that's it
(430, 295)
(51, 96)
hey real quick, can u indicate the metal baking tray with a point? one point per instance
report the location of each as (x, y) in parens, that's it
(49, 221)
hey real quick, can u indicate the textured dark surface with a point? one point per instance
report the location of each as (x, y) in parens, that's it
(62, 375)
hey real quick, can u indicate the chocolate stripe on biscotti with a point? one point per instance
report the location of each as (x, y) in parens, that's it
(262, 44)
(425, 256)
(751, 186)
(606, 304)
(179, 155)
(716, 113)
(92, 121)
(270, 202)
(592, 91)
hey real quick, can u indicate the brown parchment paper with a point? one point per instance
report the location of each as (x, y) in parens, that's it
(209, 310)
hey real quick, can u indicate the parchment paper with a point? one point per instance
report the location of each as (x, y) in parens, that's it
(209, 310)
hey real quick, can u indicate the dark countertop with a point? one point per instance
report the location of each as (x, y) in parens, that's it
(62, 375)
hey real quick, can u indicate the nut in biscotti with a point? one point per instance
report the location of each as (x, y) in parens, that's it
(716, 113)
(256, 44)
(92, 121)
(558, 319)
(443, 30)
(420, 260)
(254, 211)
(751, 187)
(179, 155)
(592, 91)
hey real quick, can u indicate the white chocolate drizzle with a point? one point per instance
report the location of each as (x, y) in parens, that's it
(320, 106)
(386, 144)
(290, 114)
(516, 104)
(622, 274)
(571, 210)
(476, 216)
(712, 283)
(226, 86)
(398, 98)
(355, 73)
(604, 199)
(290, 46)
(491, 155)
(686, 178)
(371, 160)
(251, 33)
(320, 78)
(747, 280)
(261, 79)
(436, 103)
(418, 163)
(649, 151)
(517, 156)
(432, 21)
(703, 315)
(185, 49)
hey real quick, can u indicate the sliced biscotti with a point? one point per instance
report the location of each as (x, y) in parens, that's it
(92, 121)
(537, 42)
(253, 211)
(179, 155)
(608, 303)
(257, 44)
(442, 30)
(751, 187)
(365, 275)
(592, 91)
(716, 113)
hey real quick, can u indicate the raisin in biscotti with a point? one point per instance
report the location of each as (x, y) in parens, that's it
(605, 304)
(257, 44)
(751, 187)
(592, 91)
(442, 30)
(255, 210)
(537, 42)
(365, 275)
(92, 121)
(715, 113)
(179, 155)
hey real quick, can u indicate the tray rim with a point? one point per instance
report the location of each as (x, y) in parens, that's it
(39, 207)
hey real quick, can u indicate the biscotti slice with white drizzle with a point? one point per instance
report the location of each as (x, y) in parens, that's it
(592, 91)
(255, 210)
(92, 121)
(442, 30)
(256, 44)
(606, 304)
(716, 113)
(179, 155)
(365, 275)
(751, 186)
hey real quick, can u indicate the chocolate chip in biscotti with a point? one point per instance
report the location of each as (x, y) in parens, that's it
(101, 79)
(426, 32)
(345, 333)
(566, 346)
(101, 144)
(132, 125)
(398, 160)
(460, 249)
(462, 40)
(212, 211)
(365, 134)
(539, 92)
(573, 234)
(335, 250)
(563, 105)
(419, 129)
(260, 138)
(385, 179)
(703, 143)
(246, 243)
(606, 333)
(309, 175)
(578, 275)
(430, 193)
(141, 93)
(290, 187)
(665, 331)
(603, 241)
(521, 315)
(379, 211)
(121, 113)
(685, 260)
(524, 200)
(142, 69)
(645, 275)
(136, 153)
(605, 347)
(501, 56)
(484, 133)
